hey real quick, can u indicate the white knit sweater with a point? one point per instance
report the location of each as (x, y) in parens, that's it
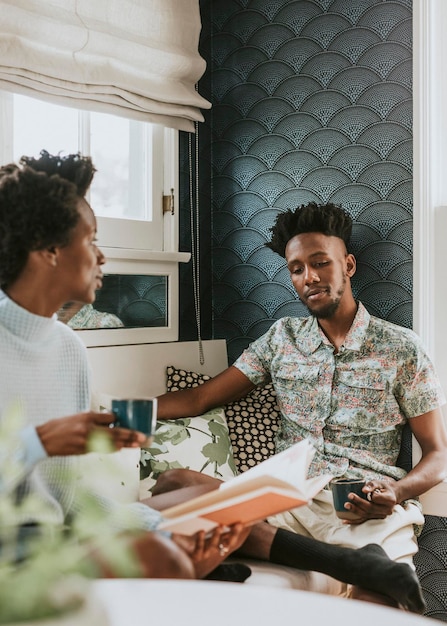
(44, 367)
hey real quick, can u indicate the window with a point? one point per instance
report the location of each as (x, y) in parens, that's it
(128, 155)
(136, 166)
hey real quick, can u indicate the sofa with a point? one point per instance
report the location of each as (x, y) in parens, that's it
(228, 440)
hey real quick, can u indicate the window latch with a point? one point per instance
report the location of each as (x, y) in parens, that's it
(168, 203)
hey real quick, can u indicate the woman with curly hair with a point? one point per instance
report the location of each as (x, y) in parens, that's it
(49, 256)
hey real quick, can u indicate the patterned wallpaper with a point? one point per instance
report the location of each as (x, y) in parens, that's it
(312, 100)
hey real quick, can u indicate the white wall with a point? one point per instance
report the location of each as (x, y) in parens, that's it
(430, 196)
(430, 178)
(140, 370)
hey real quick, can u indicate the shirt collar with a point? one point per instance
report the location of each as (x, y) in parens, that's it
(312, 337)
(357, 332)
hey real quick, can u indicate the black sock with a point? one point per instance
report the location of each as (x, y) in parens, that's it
(368, 567)
(230, 572)
(309, 554)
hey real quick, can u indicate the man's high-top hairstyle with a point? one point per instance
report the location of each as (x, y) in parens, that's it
(39, 206)
(328, 219)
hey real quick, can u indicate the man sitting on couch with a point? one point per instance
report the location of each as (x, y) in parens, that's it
(348, 382)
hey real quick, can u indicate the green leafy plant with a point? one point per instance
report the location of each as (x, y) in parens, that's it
(44, 570)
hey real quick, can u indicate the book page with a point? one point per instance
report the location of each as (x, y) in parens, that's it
(247, 508)
(214, 498)
(290, 466)
(272, 475)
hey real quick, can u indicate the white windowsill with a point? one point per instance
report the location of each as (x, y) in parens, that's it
(146, 255)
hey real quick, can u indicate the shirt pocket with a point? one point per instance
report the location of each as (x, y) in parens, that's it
(367, 395)
(297, 387)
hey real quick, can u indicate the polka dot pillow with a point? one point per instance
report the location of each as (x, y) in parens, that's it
(252, 420)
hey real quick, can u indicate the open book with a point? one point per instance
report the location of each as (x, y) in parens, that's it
(276, 485)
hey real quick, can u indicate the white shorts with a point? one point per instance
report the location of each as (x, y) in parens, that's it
(395, 534)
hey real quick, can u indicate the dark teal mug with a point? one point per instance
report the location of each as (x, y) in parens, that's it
(340, 490)
(139, 414)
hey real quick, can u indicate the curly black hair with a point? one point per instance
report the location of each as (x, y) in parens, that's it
(38, 206)
(328, 219)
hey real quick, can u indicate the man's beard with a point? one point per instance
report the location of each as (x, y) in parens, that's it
(329, 310)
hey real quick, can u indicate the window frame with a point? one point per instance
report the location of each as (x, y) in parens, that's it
(129, 255)
(130, 262)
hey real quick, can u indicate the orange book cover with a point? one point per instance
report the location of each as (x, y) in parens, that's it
(278, 484)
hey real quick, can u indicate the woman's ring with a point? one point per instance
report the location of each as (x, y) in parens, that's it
(222, 549)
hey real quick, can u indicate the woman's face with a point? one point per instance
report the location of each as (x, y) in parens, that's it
(79, 262)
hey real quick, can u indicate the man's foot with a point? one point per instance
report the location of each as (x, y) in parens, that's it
(374, 570)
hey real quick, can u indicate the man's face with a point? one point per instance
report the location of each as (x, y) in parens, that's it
(320, 267)
(79, 263)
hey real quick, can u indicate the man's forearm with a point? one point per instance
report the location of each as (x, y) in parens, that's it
(430, 471)
(185, 403)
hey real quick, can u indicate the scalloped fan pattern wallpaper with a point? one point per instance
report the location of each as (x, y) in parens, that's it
(312, 100)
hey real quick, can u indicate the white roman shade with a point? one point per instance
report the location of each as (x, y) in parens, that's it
(134, 58)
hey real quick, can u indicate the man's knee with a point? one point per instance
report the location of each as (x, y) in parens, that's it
(178, 478)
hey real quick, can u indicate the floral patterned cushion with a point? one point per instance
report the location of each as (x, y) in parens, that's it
(252, 420)
(199, 443)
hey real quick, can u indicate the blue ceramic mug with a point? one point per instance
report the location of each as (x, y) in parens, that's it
(136, 414)
(340, 490)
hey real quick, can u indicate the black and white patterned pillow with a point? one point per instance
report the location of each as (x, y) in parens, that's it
(252, 421)
(177, 379)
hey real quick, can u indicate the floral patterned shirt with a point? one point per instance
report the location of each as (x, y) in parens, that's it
(88, 317)
(353, 404)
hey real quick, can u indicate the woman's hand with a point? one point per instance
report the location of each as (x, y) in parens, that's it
(70, 435)
(207, 552)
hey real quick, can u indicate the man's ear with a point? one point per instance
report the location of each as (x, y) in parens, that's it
(351, 265)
